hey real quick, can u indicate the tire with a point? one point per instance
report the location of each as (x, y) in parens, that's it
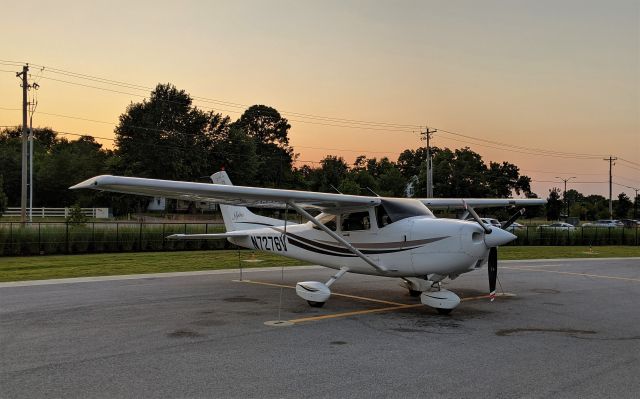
(443, 312)
(314, 304)
(415, 293)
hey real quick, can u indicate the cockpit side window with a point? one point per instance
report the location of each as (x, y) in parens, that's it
(328, 220)
(382, 216)
(355, 221)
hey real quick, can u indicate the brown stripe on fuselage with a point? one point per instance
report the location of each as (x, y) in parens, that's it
(331, 245)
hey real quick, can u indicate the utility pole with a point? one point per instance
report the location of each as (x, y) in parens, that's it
(32, 109)
(564, 195)
(426, 135)
(610, 159)
(23, 194)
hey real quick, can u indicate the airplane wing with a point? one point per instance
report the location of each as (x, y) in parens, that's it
(453, 203)
(225, 194)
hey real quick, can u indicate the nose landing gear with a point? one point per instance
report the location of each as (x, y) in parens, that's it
(431, 293)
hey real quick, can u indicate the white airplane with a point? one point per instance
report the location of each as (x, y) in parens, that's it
(391, 237)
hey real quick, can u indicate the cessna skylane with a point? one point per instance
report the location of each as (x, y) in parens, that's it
(391, 237)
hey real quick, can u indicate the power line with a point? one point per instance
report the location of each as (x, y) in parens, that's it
(522, 147)
(556, 172)
(631, 162)
(361, 124)
(315, 119)
(574, 182)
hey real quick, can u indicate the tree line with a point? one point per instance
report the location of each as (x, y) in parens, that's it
(167, 137)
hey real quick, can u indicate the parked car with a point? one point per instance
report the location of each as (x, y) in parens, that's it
(558, 225)
(630, 223)
(604, 223)
(515, 226)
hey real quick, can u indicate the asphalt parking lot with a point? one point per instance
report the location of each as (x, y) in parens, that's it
(567, 328)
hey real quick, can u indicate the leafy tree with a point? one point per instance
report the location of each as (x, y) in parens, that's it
(332, 171)
(65, 164)
(271, 134)
(412, 162)
(504, 178)
(3, 196)
(360, 163)
(167, 137)
(391, 183)
(58, 164)
(622, 206)
(349, 186)
(11, 164)
(597, 207)
(364, 180)
(76, 217)
(236, 153)
(443, 164)
(573, 199)
(554, 204)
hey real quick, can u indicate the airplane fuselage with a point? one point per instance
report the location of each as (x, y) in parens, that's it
(412, 247)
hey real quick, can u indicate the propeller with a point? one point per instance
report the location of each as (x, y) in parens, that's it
(512, 219)
(499, 237)
(493, 272)
(475, 216)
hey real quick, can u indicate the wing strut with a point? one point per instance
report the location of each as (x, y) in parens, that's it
(336, 237)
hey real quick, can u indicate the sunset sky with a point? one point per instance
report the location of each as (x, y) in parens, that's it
(544, 76)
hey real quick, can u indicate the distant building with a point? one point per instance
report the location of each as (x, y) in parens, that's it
(184, 206)
(157, 204)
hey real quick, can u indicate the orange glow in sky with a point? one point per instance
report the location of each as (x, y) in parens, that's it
(554, 75)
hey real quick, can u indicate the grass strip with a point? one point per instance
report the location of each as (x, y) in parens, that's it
(66, 266)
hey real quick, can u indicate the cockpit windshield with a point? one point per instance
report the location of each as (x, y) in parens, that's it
(326, 219)
(393, 209)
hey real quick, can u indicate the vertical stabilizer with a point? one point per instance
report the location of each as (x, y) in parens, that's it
(239, 217)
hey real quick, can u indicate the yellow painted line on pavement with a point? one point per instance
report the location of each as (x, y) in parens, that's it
(378, 310)
(529, 269)
(333, 293)
(354, 313)
(395, 305)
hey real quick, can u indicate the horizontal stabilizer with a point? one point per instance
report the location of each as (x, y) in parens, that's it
(213, 236)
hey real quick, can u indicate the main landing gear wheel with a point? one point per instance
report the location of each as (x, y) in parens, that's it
(443, 311)
(414, 293)
(314, 304)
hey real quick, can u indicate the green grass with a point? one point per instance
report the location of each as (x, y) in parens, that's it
(64, 266)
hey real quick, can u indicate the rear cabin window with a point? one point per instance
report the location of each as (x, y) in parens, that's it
(355, 221)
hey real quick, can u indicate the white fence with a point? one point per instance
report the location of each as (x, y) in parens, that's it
(97, 213)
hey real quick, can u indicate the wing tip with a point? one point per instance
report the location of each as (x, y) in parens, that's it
(93, 182)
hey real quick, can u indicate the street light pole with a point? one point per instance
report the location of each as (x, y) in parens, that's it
(564, 195)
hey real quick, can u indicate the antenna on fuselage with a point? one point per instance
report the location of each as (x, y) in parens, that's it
(374, 193)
